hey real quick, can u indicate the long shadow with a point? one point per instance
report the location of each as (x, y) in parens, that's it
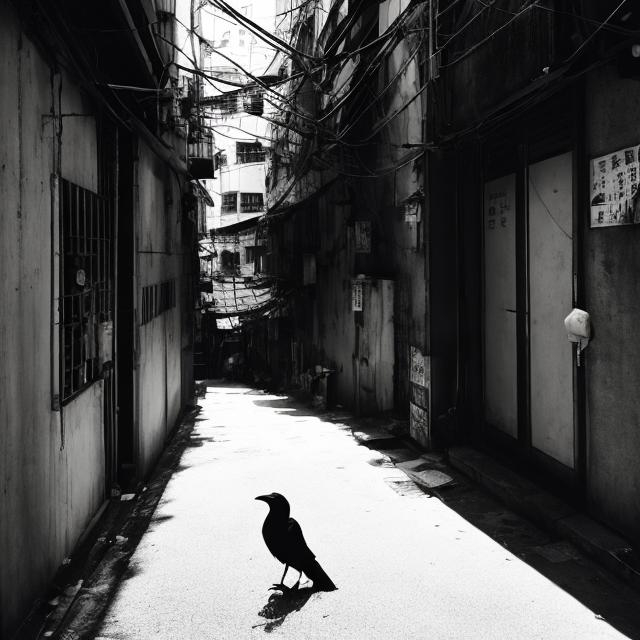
(293, 408)
(280, 605)
(546, 553)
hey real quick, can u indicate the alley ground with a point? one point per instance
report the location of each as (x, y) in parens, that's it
(407, 564)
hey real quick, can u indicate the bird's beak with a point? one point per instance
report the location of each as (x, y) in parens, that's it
(263, 498)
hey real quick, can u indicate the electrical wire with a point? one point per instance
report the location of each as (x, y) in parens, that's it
(258, 31)
(584, 44)
(470, 50)
(407, 15)
(372, 102)
(608, 27)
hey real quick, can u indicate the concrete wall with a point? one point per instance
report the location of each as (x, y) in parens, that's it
(334, 328)
(52, 463)
(612, 297)
(241, 178)
(159, 259)
(402, 241)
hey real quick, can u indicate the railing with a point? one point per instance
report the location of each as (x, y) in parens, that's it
(243, 157)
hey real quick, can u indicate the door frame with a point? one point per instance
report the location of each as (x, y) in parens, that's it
(539, 135)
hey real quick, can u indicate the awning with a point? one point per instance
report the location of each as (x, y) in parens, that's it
(238, 296)
(237, 227)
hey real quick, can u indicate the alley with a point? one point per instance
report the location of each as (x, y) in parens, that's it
(406, 564)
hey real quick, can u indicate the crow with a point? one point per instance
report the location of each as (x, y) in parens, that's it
(283, 537)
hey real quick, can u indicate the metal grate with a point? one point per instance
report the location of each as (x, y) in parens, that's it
(249, 152)
(251, 202)
(157, 298)
(86, 299)
(230, 202)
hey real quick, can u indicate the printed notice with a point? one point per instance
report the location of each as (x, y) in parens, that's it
(418, 374)
(356, 296)
(614, 189)
(363, 236)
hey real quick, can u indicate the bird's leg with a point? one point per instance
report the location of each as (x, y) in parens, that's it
(281, 586)
(297, 584)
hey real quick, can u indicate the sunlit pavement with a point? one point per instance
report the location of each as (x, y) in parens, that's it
(406, 566)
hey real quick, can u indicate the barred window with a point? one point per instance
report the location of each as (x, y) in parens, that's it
(230, 202)
(157, 298)
(249, 152)
(86, 283)
(251, 202)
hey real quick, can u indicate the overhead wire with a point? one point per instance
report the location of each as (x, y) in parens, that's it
(259, 31)
(584, 44)
(470, 50)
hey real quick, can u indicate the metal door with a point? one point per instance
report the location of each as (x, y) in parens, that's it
(550, 263)
(500, 338)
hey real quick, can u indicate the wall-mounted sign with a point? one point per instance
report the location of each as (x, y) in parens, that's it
(419, 373)
(363, 236)
(614, 188)
(419, 395)
(419, 424)
(412, 211)
(499, 204)
(356, 295)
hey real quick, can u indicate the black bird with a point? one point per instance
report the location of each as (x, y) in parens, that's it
(284, 539)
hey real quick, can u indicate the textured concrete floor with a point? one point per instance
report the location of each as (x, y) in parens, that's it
(407, 566)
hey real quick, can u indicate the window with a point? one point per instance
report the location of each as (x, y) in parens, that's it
(249, 152)
(86, 284)
(251, 202)
(230, 202)
(156, 299)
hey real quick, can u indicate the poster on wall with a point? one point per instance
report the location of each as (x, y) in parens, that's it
(363, 236)
(419, 424)
(499, 204)
(356, 296)
(614, 188)
(419, 373)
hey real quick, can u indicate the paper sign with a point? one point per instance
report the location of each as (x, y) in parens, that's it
(615, 199)
(356, 296)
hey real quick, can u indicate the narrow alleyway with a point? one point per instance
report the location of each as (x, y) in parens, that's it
(406, 564)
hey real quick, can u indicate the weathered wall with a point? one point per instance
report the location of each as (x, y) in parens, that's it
(334, 328)
(51, 472)
(474, 77)
(612, 297)
(402, 240)
(159, 258)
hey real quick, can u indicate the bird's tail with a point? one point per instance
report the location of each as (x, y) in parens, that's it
(321, 581)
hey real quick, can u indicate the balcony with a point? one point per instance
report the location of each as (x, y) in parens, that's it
(201, 154)
(249, 152)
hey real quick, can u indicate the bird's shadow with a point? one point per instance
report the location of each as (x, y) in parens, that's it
(280, 605)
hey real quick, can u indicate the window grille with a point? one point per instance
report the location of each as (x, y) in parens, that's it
(156, 299)
(230, 202)
(251, 202)
(86, 285)
(249, 152)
